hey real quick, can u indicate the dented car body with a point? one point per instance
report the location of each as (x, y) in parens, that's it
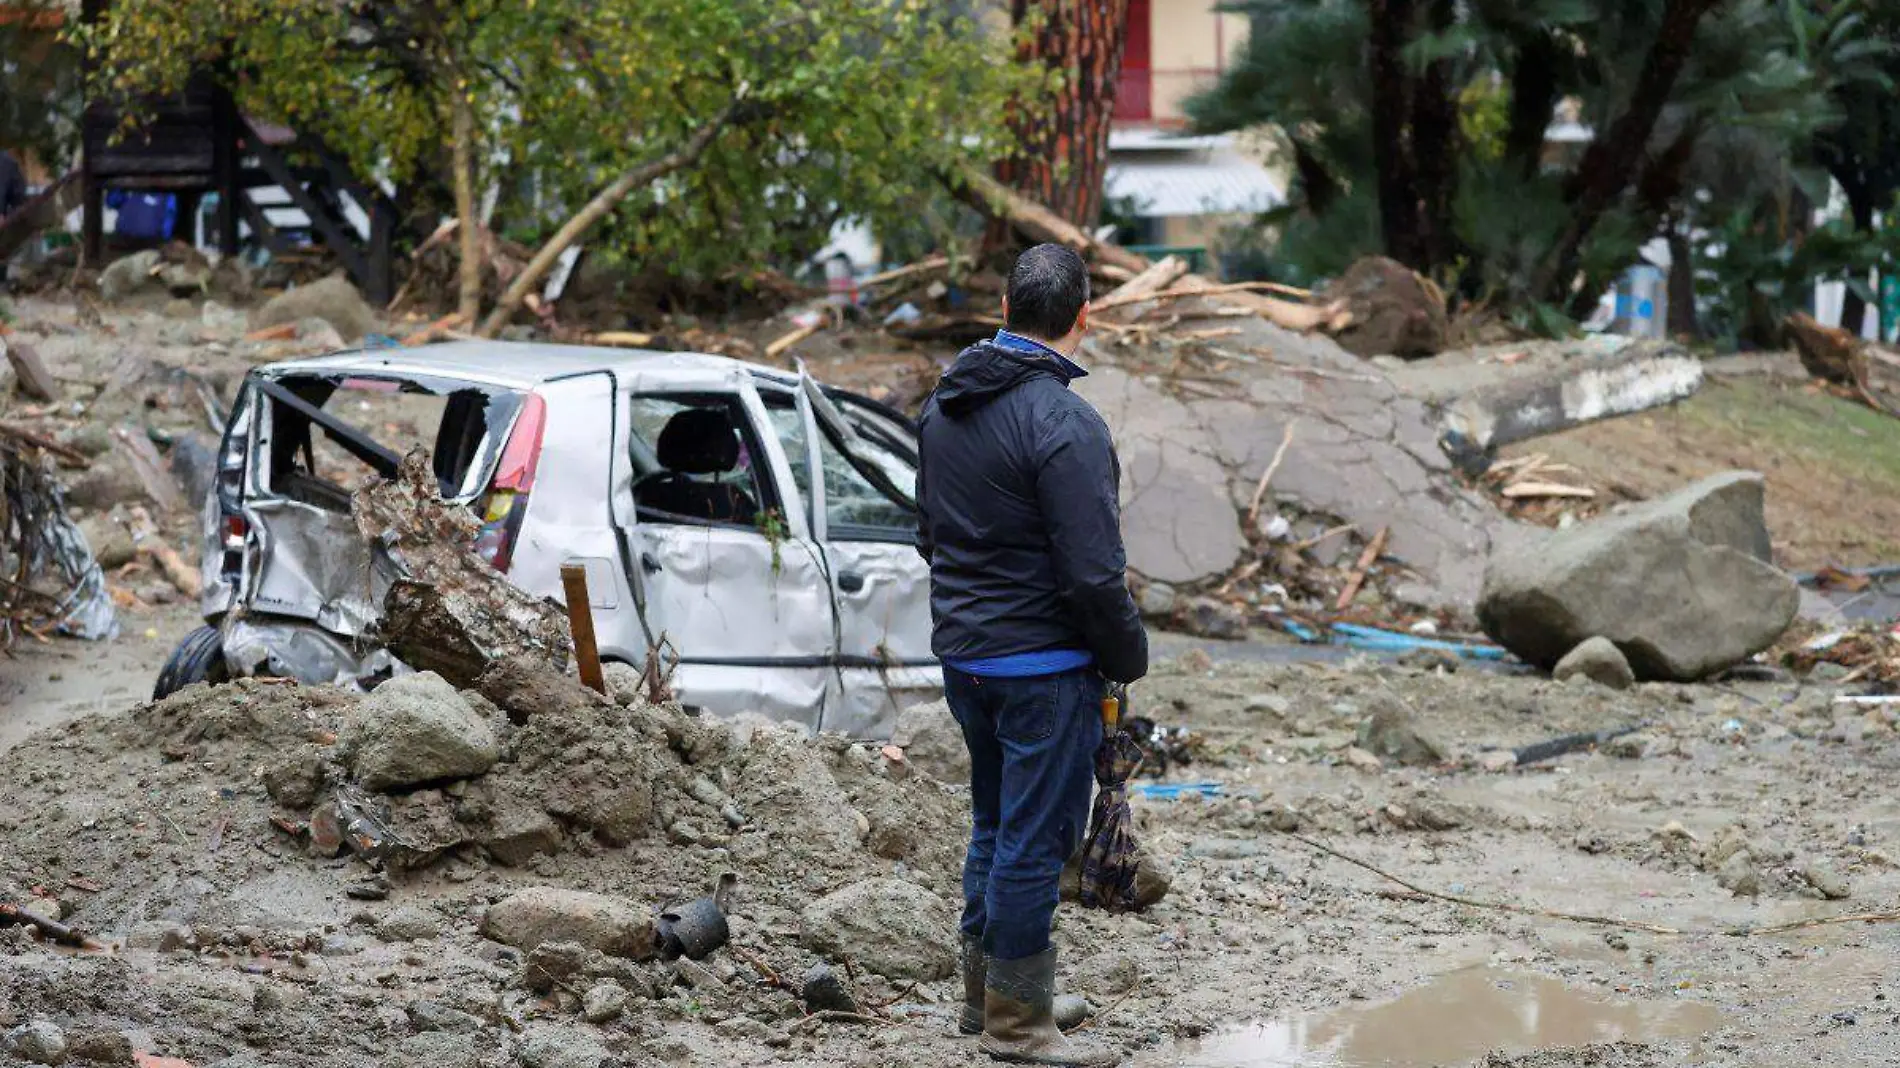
(683, 484)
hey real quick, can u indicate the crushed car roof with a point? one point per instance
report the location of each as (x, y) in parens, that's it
(512, 363)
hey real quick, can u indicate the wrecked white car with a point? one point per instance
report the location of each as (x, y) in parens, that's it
(683, 483)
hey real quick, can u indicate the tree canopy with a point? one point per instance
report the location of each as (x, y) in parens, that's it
(797, 113)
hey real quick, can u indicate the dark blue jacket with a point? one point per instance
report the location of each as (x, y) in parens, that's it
(1021, 521)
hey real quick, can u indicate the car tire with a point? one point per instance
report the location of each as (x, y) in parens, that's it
(199, 658)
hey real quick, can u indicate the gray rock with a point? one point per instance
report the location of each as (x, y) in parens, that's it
(410, 923)
(193, 463)
(743, 1029)
(110, 542)
(435, 1016)
(824, 990)
(1390, 734)
(1826, 881)
(1599, 660)
(1739, 876)
(1208, 617)
(561, 1047)
(159, 936)
(415, 729)
(553, 964)
(128, 276)
(546, 913)
(519, 830)
(933, 742)
(895, 928)
(603, 1002)
(437, 1049)
(1269, 703)
(1681, 585)
(334, 300)
(1071, 1010)
(1829, 671)
(1158, 600)
(37, 1042)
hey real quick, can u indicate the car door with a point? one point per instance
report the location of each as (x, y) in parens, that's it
(864, 514)
(732, 589)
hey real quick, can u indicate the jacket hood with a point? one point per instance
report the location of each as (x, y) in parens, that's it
(986, 371)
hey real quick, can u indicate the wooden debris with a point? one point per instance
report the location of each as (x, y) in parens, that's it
(280, 332)
(580, 625)
(1528, 489)
(780, 346)
(435, 331)
(30, 375)
(1156, 278)
(151, 545)
(1362, 568)
(621, 339)
(150, 469)
(1260, 489)
(927, 265)
(994, 198)
(36, 440)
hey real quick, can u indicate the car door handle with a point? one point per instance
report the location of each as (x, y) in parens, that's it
(850, 581)
(649, 564)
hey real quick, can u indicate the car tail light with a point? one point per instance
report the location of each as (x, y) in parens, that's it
(507, 500)
(235, 528)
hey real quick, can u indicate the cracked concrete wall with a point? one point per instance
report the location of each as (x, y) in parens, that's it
(1362, 450)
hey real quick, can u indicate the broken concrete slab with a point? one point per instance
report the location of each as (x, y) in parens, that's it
(1680, 584)
(1362, 451)
(1489, 397)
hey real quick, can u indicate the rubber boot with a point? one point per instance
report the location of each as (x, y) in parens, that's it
(974, 963)
(1019, 1019)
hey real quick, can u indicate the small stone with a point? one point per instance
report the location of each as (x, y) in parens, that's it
(1829, 671)
(410, 923)
(1599, 660)
(1358, 758)
(1071, 1010)
(824, 990)
(603, 1002)
(743, 1029)
(561, 1047)
(1209, 617)
(435, 1016)
(160, 936)
(553, 964)
(1391, 734)
(1739, 876)
(1826, 881)
(1628, 746)
(37, 1042)
(1269, 704)
(545, 913)
(1616, 941)
(1496, 760)
(1195, 662)
(1157, 600)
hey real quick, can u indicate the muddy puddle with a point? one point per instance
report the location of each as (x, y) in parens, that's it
(1452, 1020)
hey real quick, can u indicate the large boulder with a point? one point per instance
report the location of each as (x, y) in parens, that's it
(416, 729)
(895, 928)
(333, 299)
(1681, 585)
(540, 914)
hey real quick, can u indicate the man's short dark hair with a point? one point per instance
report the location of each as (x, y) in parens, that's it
(1047, 289)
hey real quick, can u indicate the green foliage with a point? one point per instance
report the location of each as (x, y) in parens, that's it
(1760, 83)
(40, 96)
(850, 106)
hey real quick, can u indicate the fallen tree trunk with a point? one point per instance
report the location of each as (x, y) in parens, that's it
(997, 200)
(1144, 285)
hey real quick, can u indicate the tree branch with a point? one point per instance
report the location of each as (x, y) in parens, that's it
(603, 203)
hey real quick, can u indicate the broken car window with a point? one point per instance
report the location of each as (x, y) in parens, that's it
(856, 507)
(332, 435)
(695, 461)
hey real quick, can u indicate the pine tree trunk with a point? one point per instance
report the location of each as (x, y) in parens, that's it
(462, 124)
(1061, 157)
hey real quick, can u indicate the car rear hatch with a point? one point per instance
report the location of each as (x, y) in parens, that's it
(280, 540)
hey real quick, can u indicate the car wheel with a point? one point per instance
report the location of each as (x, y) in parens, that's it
(199, 658)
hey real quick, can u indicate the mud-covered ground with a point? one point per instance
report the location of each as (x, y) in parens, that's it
(155, 819)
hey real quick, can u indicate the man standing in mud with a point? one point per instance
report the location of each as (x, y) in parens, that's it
(1021, 525)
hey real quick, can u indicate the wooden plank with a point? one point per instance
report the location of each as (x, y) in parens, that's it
(1361, 569)
(29, 371)
(580, 625)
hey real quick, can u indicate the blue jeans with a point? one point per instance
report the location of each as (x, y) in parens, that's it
(1032, 772)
